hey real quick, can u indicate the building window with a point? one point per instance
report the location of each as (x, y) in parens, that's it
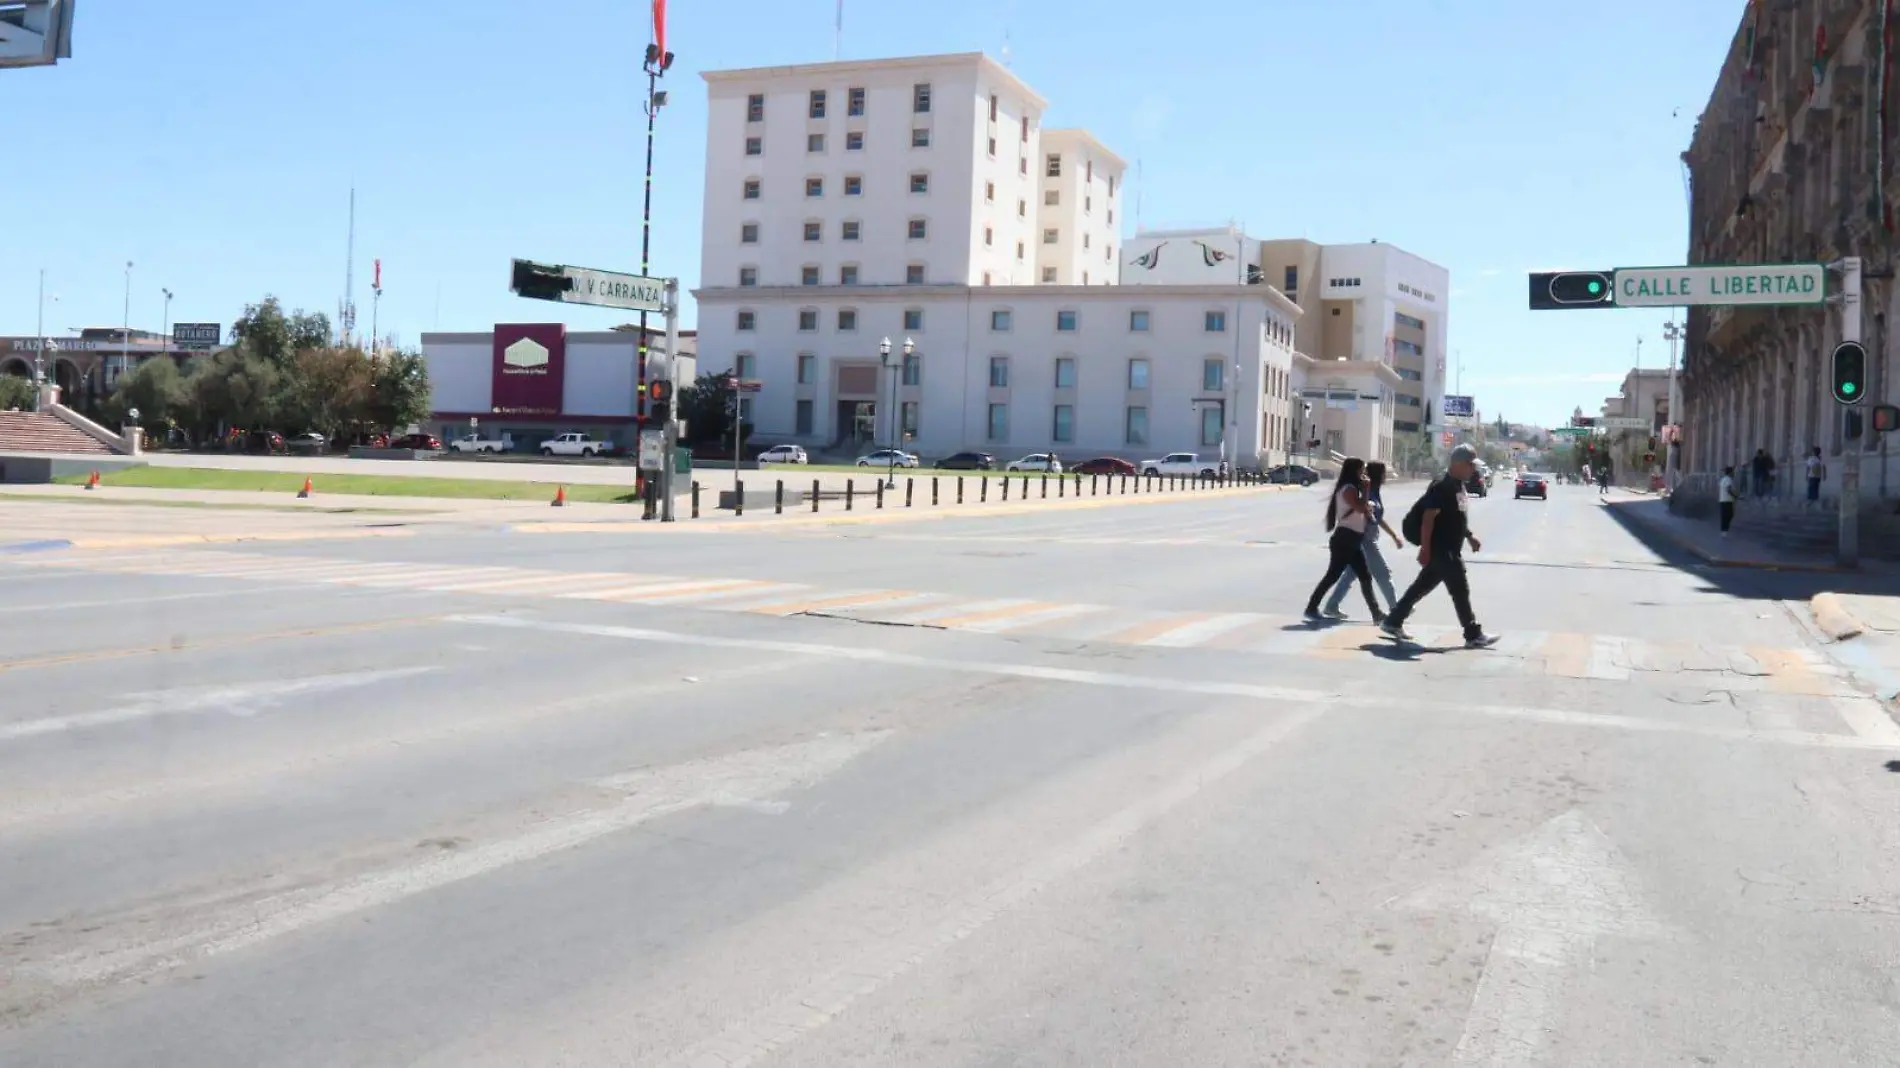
(849, 229)
(1064, 428)
(1291, 280)
(749, 233)
(1211, 419)
(815, 142)
(999, 320)
(1085, 278)
(1065, 372)
(1405, 320)
(913, 370)
(847, 319)
(1025, 129)
(1048, 276)
(1049, 237)
(999, 422)
(1088, 205)
(808, 275)
(754, 146)
(1212, 374)
(814, 231)
(814, 187)
(1051, 197)
(807, 368)
(1138, 374)
(854, 141)
(989, 192)
(992, 148)
(817, 110)
(748, 276)
(1215, 322)
(853, 185)
(919, 229)
(1138, 322)
(913, 318)
(807, 319)
(1065, 321)
(745, 366)
(1022, 166)
(854, 102)
(1054, 168)
(1135, 426)
(755, 108)
(920, 98)
(999, 372)
(907, 418)
(914, 274)
(992, 107)
(1020, 252)
(746, 321)
(920, 138)
(1022, 208)
(1111, 189)
(751, 189)
(989, 237)
(920, 182)
(1088, 174)
(801, 418)
(848, 275)
(986, 278)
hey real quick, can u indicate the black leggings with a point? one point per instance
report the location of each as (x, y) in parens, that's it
(1348, 549)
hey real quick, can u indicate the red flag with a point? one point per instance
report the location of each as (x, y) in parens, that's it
(378, 283)
(659, 31)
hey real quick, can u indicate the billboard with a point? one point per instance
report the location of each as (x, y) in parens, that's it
(1459, 407)
(530, 361)
(1210, 257)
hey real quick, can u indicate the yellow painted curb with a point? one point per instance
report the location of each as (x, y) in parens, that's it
(157, 541)
(897, 515)
(1833, 617)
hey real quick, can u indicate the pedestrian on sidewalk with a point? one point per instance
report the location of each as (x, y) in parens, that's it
(1725, 499)
(1816, 470)
(1444, 533)
(1375, 560)
(1348, 515)
(1759, 467)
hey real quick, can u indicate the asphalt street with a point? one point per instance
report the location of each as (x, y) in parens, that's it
(1067, 787)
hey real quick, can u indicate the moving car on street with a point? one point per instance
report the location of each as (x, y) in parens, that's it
(1104, 465)
(967, 461)
(1180, 463)
(1531, 484)
(888, 458)
(783, 454)
(1292, 475)
(1037, 461)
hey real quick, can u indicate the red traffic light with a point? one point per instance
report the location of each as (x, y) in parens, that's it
(660, 391)
(1886, 418)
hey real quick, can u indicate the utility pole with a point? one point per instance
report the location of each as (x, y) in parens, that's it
(165, 327)
(39, 338)
(658, 59)
(1847, 548)
(1672, 332)
(125, 337)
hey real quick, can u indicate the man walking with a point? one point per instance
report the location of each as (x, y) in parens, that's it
(1444, 532)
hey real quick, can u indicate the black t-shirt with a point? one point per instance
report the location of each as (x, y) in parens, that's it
(1450, 527)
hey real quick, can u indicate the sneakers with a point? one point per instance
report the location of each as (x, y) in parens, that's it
(1394, 630)
(1313, 616)
(1335, 613)
(1480, 640)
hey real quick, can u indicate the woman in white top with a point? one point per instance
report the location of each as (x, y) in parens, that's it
(1348, 514)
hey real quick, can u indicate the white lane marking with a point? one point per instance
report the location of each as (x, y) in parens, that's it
(1404, 703)
(239, 699)
(742, 779)
(1552, 894)
(1204, 630)
(828, 995)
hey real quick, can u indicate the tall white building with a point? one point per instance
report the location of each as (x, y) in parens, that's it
(920, 198)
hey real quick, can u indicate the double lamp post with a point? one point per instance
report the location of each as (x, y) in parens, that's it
(897, 419)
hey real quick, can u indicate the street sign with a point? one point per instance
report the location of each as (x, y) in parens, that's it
(1728, 284)
(196, 335)
(584, 285)
(747, 385)
(1623, 422)
(652, 450)
(1572, 431)
(1457, 406)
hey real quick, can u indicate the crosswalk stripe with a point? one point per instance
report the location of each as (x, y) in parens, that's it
(1049, 615)
(1204, 631)
(1007, 611)
(1567, 655)
(929, 616)
(1142, 633)
(713, 592)
(819, 604)
(1789, 672)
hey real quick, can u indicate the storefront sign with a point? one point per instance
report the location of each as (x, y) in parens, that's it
(530, 360)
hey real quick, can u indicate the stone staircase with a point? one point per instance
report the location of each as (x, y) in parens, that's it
(1798, 528)
(42, 432)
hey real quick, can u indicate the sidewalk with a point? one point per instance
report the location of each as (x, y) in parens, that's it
(1703, 539)
(1864, 635)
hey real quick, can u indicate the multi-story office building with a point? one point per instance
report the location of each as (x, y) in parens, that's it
(921, 198)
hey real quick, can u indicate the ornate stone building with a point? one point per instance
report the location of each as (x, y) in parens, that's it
(1793, 160)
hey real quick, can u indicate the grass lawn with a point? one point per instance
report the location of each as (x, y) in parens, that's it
(223, 506)
(286, 482)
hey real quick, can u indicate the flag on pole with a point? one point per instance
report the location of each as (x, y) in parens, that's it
(659, 30)
(378, 283)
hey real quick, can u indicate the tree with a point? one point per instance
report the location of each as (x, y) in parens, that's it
(233, 390)
(155, 389)
(709, 407)
(327, 390)
(399, 390)
(16, 391)
(264, 331)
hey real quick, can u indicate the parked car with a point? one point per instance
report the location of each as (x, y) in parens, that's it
(888, 458)
(783, 454)
(1104, 465)
(967, 461)
(1180, 463)
(1037, 461)
(309, 441)
(1532, 485)
(1293, 475)
(419, 442)
(572, 445)
(477, 443)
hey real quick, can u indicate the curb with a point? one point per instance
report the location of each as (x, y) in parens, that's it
(160, 541)
(1833, 617)
(1712, 560)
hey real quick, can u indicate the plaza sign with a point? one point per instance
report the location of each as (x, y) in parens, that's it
(1676, 287)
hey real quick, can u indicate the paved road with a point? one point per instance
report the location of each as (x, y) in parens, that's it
(1069, 788)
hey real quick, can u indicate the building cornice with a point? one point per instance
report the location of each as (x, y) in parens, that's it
(1268, 295)
(1080, 134)
(982, 62)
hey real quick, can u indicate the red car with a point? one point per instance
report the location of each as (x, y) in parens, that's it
(418, 441)
(1104, 465)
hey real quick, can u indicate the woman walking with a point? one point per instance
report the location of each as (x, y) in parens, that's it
(1348, 516)
(1375, 560)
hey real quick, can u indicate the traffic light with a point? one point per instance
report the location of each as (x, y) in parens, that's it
(1886, 418)
(1850, 372)
(539, 281)
(1572, 290)
(660, 398)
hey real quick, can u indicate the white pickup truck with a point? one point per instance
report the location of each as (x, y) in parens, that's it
(572, 445)
(476, 443)
(1180, 463)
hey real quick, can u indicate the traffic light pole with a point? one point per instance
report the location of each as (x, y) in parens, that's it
(1847, 545)
(669, 425)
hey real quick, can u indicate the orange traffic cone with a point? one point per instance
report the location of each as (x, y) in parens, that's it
(305, 491)
(92, 480)
(560, 497)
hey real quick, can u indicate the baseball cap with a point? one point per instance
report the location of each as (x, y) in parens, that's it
(1464, 454)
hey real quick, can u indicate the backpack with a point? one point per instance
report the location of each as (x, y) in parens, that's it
(1413, 525)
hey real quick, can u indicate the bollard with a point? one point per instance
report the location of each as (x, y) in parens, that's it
(1045, 486)
(983, 491)
(850, 490)
(695, 498)
(959, 489)
(933, 490)
(1005, 484)
(778, 498)
(738, 498)
(880, 493)
(1062, 485)
(909, 485)
(814, 495)
(1092, 487)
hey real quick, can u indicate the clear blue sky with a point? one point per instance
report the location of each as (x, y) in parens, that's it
(1492, 136)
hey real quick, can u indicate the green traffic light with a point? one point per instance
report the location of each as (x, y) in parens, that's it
(1849, 388)
(1596, 288)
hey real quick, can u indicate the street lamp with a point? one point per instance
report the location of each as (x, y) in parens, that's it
(125, 336)
(897, 429)
(1672, 333)
(165, 330)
